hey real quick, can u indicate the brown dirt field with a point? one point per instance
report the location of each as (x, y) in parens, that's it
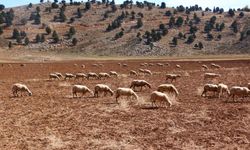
(52, 119)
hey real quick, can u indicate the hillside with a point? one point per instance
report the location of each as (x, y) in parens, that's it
(94, 39)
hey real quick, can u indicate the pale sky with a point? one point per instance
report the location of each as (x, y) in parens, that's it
(226, 4)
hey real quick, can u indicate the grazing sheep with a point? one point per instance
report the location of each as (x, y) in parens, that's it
(210, 88)
(80, 76)
(69, 76)
(139, 83)
(95, 65)
(53, 76)
(75, 65)
(178, 66)
(223, 88)
(59, 74)
(113, 73)
(211, 76)
(104, 75)
(150, 64)
(20, 87)
(239, 91)
(172, 77)
(101, 65)
(160, 64)
(80, 89)
(143, 64)
(205, 67)
(92, 75)
(215, 66)
(102, 88)
(147, 72)
(83, 66)
(169, 88)
(141, 71)
(125, 65)
(133, 73)
(125, 92)
(159, 97)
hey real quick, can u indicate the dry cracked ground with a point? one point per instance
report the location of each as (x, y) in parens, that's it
(52, 119)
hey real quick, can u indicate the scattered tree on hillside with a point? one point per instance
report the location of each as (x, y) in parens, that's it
(2, 7)
(168, 13)
(55, 37)
(139, 23)
(231, 13)
(15, 33)
(38, 38)
(87, 5)
(74, 41)
(79, 13)
(241, 14)
(48, 30)
(1, 30)
(163, 5)
(179, 21)
(190, 39)
(26, 41)
(174, 41)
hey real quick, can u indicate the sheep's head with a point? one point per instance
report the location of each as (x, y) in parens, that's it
(30, 93)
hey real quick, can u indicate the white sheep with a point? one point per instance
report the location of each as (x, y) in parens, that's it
(53, 76)
(210, 88)
(211, 76)
(239, 91)
(169, 88)
(141, 71)
(83, 66)
(104, 75)
(150, 64)
(59, 74)
(139, 83)
(133, 73)
(172, 77)
(113, 73)
(125, 65)
(99, 88)
(159, 97)
(178, 66)
(69, 76)
(20, 87)
(80, 76)
(223, 88)
(92, 75)
(205, 67)
(80, 89)
(216, 66)
(147, 72)
(125, 92)
(160, 64)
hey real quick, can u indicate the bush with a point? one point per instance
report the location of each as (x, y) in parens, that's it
(168, 13)
(139, 23)
(231, 13)
(38, 38)
(43, 38)
(74, 41)
(190, 39)
(179, 21)
(55, 37)
(163, 5)
(2, 7)
(54, 5)
(174, 41)
(241, 14)
(48, 30)
(26, 41)
(15, 33)
(87, 5)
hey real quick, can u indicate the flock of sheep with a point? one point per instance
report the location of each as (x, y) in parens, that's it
(160, 96)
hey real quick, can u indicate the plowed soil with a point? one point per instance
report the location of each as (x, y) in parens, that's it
(52, 119)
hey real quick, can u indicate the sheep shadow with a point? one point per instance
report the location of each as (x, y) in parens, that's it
(149, 107)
